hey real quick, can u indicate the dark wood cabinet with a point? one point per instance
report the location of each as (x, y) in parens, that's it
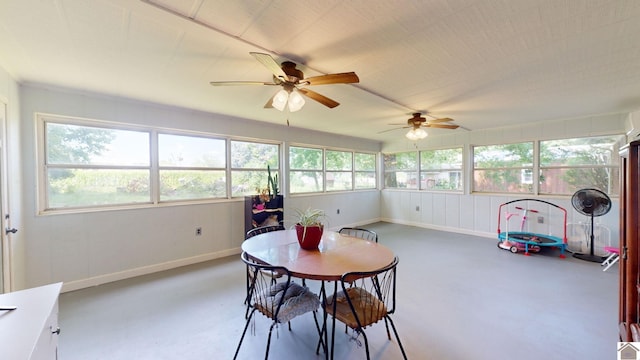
(629, 240)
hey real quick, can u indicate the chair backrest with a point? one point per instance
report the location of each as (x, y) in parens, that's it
(263, 229)
(280, 300)
(371, 295)
(360, 233)
(262, 287)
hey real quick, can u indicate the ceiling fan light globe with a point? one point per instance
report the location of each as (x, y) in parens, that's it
(280, 99)
(411, 135)
(416, 134)
(296, 101)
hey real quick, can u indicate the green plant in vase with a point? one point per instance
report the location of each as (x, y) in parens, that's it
(309, 227)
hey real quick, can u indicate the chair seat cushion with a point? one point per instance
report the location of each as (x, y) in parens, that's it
(368, 307)
(298, 300)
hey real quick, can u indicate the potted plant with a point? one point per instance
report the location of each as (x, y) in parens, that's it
(309, 227)
(272, 182)
(273, 190)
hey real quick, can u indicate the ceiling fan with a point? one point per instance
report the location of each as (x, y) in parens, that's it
(293, 81)
(417, 122)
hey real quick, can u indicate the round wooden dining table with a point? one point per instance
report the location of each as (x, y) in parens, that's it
(337, 254)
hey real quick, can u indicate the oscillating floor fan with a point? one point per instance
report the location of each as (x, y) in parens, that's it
(592, 203)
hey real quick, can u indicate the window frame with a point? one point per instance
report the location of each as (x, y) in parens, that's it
(43, 185)
(450, 170)
(264, 183)
(357, 171)
(154, 167)
(614, 166)
(523, 166)
(323, 171)
(415, 170)
(419, 171)
(164, 168)
(537, 169)
(333, 172)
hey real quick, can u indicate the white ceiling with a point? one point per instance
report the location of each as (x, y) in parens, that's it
(484, 63)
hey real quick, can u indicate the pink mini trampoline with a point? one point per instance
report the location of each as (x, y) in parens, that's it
(528, 241)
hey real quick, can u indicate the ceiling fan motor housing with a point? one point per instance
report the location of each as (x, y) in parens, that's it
(416, 120)
(290, 69)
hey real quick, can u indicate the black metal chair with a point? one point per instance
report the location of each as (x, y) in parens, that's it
(261, 230)
(365, 299)
(360, 233)
(281, 301)
(251, 233)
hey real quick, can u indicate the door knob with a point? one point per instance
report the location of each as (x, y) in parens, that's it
(12, 230)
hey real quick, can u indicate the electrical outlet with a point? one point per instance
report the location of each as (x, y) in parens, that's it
(540, 220)
(198, 231)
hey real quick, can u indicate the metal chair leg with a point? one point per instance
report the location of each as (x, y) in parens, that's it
(244, 332)
(393, 326)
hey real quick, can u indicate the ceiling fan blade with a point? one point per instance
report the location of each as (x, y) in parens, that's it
(398, 128)
(319, 98)
(341, 78)
(442, 126)
(269, 103)
(271, 64)
(234, 83)
(439, 120)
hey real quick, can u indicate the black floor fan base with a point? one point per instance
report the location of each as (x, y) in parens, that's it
(589, 257)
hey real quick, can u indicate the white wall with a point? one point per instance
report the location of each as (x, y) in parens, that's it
(356, 208)
(86, 249)
(478, 213)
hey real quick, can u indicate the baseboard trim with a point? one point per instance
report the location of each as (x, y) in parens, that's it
(130, 273)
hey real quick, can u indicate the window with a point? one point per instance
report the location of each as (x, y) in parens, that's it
(339, 174)
(319, 170)
(95, 166)
(565, 166)
(251, 163)
(305, 170)
(401, 170)
(365, 171)
(571, 164)
(91, 164)
(441, 169)
(191, 167)
(499, 168)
